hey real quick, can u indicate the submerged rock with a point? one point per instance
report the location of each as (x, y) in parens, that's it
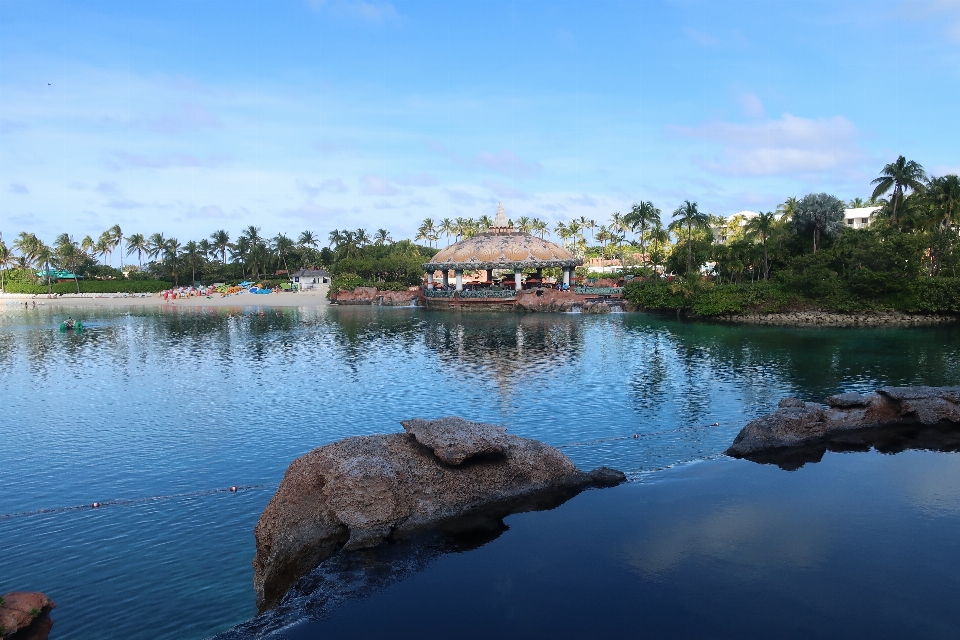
(796, 423)
(358, 492)
(26, 614)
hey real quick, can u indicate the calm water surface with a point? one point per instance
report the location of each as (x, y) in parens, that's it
(152, 403)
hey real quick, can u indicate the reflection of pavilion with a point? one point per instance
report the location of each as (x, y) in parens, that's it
(507, 350)
(500, 248)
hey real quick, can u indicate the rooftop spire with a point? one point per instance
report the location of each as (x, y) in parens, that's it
(501, 219)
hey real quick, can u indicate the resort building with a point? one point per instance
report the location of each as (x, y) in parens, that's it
(307, 279)
(859, 218)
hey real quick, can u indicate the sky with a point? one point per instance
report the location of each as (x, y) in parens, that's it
(184, 116)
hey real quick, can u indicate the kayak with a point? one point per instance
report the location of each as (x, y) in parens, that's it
(77, 327)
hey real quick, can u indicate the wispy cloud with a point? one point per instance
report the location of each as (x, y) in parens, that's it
(119, 160)
(377, 186)
(751, 105)
(504, 162)
(419, 180)
(506, 192)
(461, 197)
(8, 126)
(377, 12)
(583, 201)
(330, 185)
(335, 147)
(789, 145)
(18, 187)
(185, 118)
(116, 198)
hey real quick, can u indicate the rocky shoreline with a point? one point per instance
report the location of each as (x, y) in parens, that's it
(829, 319)
(796, 423)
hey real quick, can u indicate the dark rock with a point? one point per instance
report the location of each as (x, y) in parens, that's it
(357, 492)
(797, 423)
(453, 439)
(25, 614)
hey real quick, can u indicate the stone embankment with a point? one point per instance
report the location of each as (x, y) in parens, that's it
(372, 295)
(796, 423)
(546, 300)
(358, 492)
(827, 319)
(25, 614)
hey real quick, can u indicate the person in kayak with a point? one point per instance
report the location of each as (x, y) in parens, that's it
(69, 323)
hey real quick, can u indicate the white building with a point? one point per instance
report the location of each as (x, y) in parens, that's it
(859, 218)
(720, 232)
(307, 279)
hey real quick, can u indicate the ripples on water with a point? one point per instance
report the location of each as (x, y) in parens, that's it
(174, 401)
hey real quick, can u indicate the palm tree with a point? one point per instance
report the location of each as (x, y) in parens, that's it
(6, 259)
(787, 209)
(857, 203)
(689, 216)
(447, 228)
(135, 242)
(69, 255)
(944, 194)
(155, 246)
(87, 245)
(538, 226)
(103, 246)
(171, 256)
(763, 225)
(282, 246)
(603, 235)
(192, 253)
(643, 216)
(307, 240)
(29, 246)
(116, 240)
(423, 233)
(221, 242)
(523, 224)
(362, 238)
(206, 249)
(821, 213)
(483, 223)
(382, 237)
(899, 175)
(238, 253)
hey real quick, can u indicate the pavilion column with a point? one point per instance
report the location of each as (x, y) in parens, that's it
(517, 279)
(489, 275)
(446, 278)
(430, 279)
(458, 273)
(566, 276)
(540, 273)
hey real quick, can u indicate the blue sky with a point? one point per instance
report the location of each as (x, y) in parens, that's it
(188, 116)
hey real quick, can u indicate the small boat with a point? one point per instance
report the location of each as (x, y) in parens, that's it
(75, 326)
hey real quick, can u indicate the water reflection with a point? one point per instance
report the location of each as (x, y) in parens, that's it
(888, 440)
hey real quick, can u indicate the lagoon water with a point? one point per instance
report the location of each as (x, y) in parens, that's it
(154, 412)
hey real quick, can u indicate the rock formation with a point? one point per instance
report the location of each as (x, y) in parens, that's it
(25, 613)
(373, 296)
(358, 492)
(796, 423)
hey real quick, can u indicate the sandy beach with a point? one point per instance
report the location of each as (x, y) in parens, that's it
(285, 299)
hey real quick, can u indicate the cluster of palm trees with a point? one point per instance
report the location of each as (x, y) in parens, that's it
(460, 228)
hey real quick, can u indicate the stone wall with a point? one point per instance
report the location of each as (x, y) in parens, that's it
(372, 295)
(550, 300)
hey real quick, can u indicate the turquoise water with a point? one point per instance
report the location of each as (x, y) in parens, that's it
(151, 403)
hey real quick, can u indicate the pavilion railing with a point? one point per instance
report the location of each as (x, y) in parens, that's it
(489, 293)
(438, 293)
(599, 291)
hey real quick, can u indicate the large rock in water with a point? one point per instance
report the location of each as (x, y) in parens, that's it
(26, 613)
(357, 492)
(796, 423)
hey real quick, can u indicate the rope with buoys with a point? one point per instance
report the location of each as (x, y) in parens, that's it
(124, 502)
(250, 487)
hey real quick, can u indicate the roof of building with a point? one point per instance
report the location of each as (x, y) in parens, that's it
(310, 273)
(860, 212)
(502, 248)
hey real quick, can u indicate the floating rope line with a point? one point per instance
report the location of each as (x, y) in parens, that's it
(636, 436)
(132, 501)
(251, 487)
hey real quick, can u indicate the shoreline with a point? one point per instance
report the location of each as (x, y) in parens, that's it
(119, 300)
(832, 319)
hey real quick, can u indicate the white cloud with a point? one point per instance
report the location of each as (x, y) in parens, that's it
(505, 192)
(459, 196)
(789, 145)
(584, 201)
(419, 180)
(377, 186)
(119, 160)
(751, 105)
(19, 188)
(507, 163)
(330, 185)
(378, 12)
